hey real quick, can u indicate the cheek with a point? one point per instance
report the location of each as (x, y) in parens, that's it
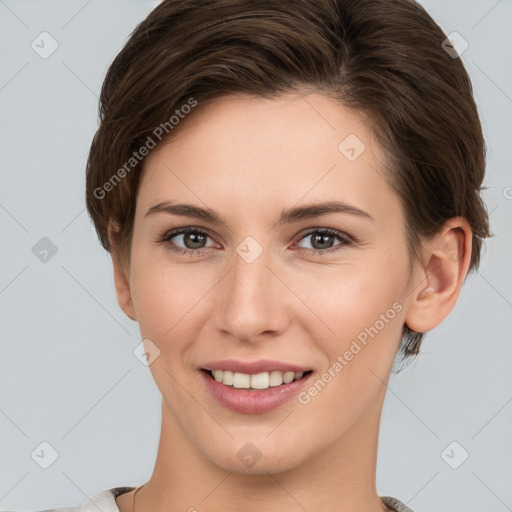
(355, 298)
(366, 313)
(159, 296)
(170, 300)
(364, 308)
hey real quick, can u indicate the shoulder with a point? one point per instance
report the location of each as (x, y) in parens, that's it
(62, 509)
(396, 504)
(105, 501)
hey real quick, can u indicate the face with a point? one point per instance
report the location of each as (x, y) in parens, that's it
(268, 284)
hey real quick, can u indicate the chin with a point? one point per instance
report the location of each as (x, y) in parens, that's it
(265, 465)
(258, 456)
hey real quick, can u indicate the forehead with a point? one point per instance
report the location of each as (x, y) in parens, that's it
(240, 151)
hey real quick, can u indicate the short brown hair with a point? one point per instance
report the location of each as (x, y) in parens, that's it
(385, 58)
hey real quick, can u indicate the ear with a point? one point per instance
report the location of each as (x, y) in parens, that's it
(446, 261)
(121, 279)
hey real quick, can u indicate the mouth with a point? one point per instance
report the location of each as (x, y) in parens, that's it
(258, 381)
(253, 388)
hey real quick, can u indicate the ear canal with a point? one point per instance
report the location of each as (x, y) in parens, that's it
(425, 292)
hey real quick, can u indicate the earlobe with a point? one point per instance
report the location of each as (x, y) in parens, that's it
(122, 282)
(439, 281)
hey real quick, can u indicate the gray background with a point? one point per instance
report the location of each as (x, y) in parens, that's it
(68, 375)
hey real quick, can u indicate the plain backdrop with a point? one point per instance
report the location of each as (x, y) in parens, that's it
(68, 375)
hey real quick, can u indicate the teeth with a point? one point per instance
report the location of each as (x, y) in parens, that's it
(241, 381)
(288, 377)
(227, 378)
(258, 381)
(276, 379)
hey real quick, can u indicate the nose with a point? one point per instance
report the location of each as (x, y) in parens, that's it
(252, 301)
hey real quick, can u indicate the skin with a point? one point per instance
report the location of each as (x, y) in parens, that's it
(248, 159)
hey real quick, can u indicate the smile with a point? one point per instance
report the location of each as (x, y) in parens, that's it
(258, 381)
(253, 387)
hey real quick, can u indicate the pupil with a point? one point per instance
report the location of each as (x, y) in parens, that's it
(321, 237)
(197, 236)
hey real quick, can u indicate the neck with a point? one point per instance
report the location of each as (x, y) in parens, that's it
(342, 476)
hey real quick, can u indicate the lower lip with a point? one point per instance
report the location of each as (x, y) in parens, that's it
(256, 401)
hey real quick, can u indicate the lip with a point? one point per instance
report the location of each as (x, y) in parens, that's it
(255, 401)
(253, 367)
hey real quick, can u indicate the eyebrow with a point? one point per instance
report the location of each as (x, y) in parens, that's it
(290, 215)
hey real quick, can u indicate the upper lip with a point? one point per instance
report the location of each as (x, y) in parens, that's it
(253, 367)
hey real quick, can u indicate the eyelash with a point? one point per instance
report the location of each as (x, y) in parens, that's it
(342, 237)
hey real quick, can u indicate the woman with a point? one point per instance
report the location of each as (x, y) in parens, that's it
(290, 193)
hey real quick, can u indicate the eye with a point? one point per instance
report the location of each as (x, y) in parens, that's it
(192, 238)
(321, 240)
(194, 241)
